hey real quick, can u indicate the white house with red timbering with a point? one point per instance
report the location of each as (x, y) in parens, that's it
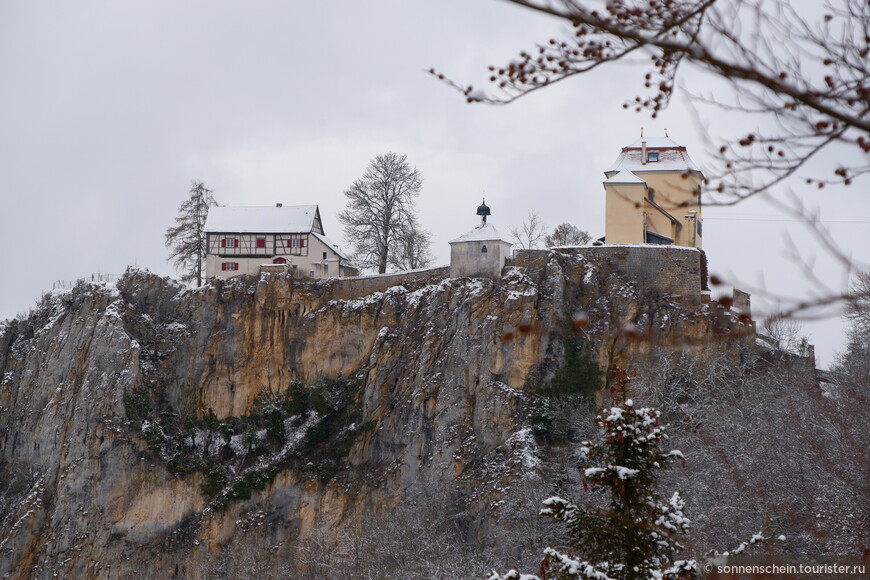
(248, 240)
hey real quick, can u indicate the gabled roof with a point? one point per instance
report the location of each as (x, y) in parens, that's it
(332, 245)
(625, 176)
(262, 219)
(482, 233)
(672, 157)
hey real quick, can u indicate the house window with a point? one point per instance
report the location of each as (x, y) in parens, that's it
(229, 243)
(261, 242)
(295, 243)
(652, 156)
(324, 255)
(483, 250)
(229, 266)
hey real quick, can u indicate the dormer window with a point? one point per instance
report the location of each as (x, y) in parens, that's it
(652, 157)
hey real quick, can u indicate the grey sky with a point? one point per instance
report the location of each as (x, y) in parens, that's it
(109, 109)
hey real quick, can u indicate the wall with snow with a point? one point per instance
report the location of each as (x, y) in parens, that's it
(349, 288)
(672, 270)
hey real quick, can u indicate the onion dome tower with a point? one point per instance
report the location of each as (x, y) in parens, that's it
(482, 252)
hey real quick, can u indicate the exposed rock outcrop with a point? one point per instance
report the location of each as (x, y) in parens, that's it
(442, 370)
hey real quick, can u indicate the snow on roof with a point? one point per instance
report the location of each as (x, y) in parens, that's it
(656, 143)
(672, 157)
(661, 247)
(481, 233)
(625, 176)
(261, 219)
(332, 245)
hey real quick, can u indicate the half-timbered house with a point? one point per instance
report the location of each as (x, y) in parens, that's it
(248, 240)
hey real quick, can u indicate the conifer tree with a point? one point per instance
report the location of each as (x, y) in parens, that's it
(186, 239)
(633, 537)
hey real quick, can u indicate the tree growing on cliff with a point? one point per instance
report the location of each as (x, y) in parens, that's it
(852, 366)
(412, 250)
(631, 538)
(566, 234)
(530, 233)
(380, 220)
(186, 239)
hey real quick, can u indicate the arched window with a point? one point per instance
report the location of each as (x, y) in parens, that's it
(483, 250)
(279, 261)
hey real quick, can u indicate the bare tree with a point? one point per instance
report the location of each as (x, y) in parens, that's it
(380, 210)
(530, 233)
(566, 234)
(859, 307)
(853, 364)
(721, 404)
(786, 335)
(412, 249)
(186, 240)
(801, 70)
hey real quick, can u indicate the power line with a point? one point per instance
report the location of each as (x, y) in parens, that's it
(808, 221)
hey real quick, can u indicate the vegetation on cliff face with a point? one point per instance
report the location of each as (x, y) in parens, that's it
(632, 536)
(310, 428)
(554, 402)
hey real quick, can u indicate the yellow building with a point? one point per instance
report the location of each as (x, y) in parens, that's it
(653, 195)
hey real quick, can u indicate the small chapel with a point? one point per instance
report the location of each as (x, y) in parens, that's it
(480, 252)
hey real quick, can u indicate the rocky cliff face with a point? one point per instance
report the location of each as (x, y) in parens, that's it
(254, 425)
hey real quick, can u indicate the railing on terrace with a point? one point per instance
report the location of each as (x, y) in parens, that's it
(94, 278)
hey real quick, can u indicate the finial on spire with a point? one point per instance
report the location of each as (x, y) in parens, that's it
(483, 211)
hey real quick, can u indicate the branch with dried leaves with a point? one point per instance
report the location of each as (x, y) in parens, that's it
(801, 70)
(810, 77)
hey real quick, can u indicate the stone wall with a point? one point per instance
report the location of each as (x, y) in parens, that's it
(672, 270)
(349, 288)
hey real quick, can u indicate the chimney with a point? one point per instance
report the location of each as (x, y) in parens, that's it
(278, 204)
(643, 152)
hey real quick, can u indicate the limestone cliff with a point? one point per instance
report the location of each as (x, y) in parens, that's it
(129, 442)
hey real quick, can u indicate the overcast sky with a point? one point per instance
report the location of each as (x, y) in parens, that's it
(108, 111)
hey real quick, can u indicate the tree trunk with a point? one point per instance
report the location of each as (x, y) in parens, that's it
(382, 261)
